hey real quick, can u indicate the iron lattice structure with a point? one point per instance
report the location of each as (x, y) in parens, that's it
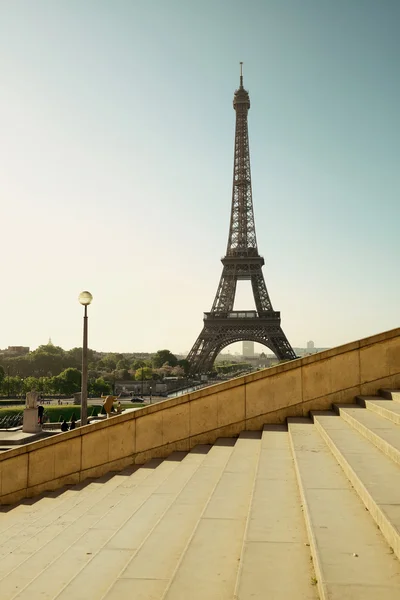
(223, 325)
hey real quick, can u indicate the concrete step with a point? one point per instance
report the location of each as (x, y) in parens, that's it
(390, 394)
(208, 568)
(156, 558)
(373, 475)
(276, 535)
(51, 506)
(31, 508)
(59, 511)
(25, 523)
(19, 568)
(52, 501)
(386, 408)
(118, 531)
(378, 430)
(351, 558)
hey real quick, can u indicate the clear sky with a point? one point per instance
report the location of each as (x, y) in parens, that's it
(116, 157)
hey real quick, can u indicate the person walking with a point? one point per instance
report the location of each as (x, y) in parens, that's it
(40, 413)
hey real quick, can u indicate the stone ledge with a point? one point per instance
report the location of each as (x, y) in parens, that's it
(380, 337)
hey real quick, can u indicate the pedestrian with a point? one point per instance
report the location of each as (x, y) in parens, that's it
(40, 414)
(64, 426)
(73, 420)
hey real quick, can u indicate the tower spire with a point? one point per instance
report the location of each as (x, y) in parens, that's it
(241, 75)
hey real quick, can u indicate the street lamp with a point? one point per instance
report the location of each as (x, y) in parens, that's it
(113, 387)
(85, 299)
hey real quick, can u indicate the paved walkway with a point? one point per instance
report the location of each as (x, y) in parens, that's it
(11, 438)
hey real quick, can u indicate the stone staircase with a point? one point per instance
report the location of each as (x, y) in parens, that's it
(298, 512)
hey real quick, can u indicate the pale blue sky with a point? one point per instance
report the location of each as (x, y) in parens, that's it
(116, 153)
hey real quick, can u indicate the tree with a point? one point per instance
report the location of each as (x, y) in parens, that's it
(69, 381)
(46, 385)
(12, 385)
(2, 375)
(178, 371)
(18, 364)
(108, 362)
(144, 373)
(31, 383)
(165, 370)
(93, 373)
(185, 364)
(47, 360)
(122, 374)
(99, 387)
(137, 364)
(49, 349)
(123, 364)
(164, 356)
(74, 357)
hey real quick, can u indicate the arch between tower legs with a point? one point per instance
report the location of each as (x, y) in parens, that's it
(213, 339)
(209, 363)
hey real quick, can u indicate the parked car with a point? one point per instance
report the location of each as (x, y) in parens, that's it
(136, 399)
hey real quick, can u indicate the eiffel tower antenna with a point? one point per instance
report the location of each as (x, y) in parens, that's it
(223, 325)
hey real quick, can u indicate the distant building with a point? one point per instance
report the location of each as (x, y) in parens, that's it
(311, 349)
(18, 350)
(248, 349)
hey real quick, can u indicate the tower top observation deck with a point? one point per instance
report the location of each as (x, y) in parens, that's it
(241, 97)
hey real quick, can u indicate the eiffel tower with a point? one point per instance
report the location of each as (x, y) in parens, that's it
(223, 325)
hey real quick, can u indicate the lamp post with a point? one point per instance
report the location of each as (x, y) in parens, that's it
(8, 381)
(150, 393)
(85, 299)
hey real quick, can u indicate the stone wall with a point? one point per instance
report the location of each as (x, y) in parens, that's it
(224, 410)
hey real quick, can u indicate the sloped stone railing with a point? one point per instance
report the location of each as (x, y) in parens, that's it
(223, 410)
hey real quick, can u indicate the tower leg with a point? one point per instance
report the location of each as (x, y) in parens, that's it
(282, 349)
(225, 296)
(260, 293)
